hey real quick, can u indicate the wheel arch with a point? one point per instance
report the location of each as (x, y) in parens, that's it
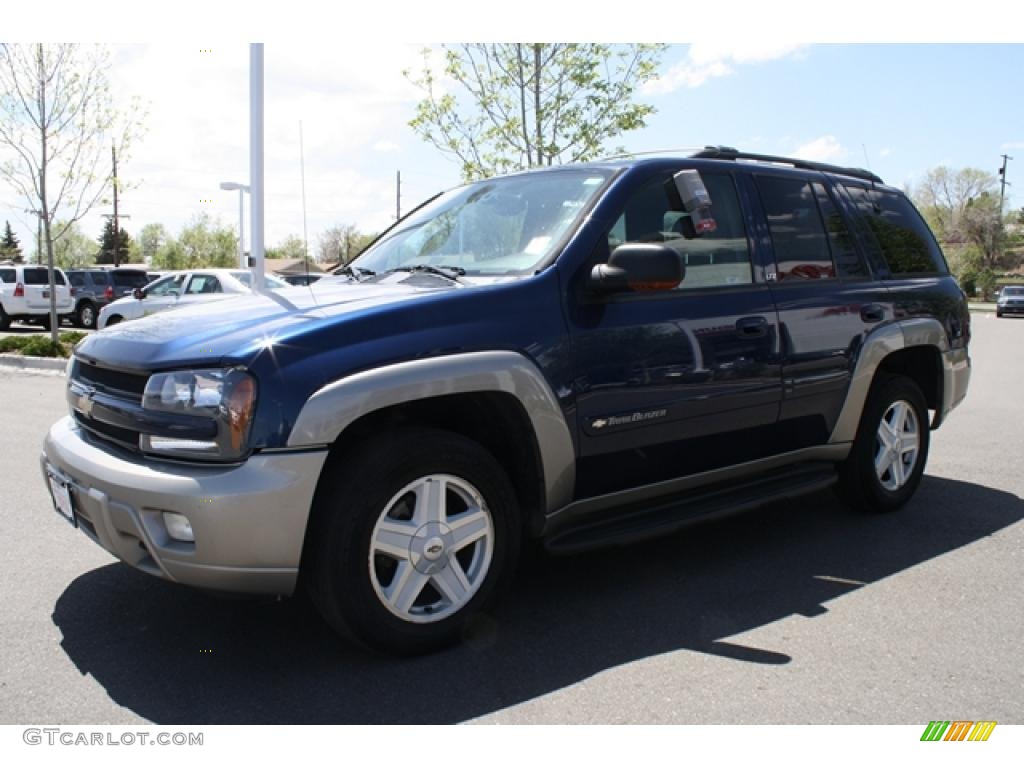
(912, 348)
(498, 399)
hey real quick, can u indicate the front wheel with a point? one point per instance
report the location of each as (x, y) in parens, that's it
(887, 459)
(413, 535)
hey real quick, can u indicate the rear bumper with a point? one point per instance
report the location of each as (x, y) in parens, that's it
(956, 375)
(249, 520)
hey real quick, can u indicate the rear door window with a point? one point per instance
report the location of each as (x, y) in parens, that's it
(848, 260)
(801, 244)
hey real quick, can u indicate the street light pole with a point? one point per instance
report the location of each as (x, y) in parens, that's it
(256, 161)
(231, 186)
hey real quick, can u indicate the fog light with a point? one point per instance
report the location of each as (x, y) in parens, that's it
(178, 527)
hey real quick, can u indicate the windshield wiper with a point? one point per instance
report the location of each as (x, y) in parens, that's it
(452, 273)
(355, 272)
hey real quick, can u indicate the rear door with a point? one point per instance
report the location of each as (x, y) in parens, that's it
(827, 298)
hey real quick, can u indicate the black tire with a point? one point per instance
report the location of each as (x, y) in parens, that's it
(859, 483)
(113, 320)
(364, 486)
(85, 315)
(998, 313)
(44, 321)
(5, 320)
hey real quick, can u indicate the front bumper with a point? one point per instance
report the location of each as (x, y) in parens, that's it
(1010, 309)
(249, 520)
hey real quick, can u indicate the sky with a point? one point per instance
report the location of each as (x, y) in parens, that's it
(899, 109)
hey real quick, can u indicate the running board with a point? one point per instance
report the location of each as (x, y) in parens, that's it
(659, 517)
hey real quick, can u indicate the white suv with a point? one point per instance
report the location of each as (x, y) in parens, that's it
(25, 294)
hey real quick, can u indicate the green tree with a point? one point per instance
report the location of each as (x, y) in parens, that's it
(341, 244)
(208, 243)
(291, 247)
(982, 227)
(10, 247)
(522, 105)
(74, 249)
(944, 195)
(169, 255)
(115, 248)
(151, 238)
(58, 121)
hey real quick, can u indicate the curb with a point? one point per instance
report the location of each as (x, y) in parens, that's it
(27, 363)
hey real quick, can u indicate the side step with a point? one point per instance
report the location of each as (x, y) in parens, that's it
(658, 517)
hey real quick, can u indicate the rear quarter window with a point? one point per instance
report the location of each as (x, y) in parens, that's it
(39, 276)
(899, 232)
(8, 276)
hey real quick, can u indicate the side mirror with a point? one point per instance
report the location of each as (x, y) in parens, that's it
(138, 293)
(640, 267)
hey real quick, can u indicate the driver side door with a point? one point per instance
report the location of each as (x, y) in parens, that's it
(676, 382)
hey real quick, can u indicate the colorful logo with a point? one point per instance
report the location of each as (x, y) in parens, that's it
(958, 730)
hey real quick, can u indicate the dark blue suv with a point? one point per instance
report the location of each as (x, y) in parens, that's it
(581, 355)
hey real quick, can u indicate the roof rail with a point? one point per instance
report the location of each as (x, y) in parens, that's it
(729, 153)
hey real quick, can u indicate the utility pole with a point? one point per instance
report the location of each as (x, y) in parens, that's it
(398, 195)
(1003, 184)
(1002, 196)
(116, 216)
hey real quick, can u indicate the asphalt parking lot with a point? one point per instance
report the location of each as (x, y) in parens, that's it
(795, 613)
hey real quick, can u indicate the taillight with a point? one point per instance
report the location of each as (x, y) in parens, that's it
(19, 291)
(108, 292)
(72, 291)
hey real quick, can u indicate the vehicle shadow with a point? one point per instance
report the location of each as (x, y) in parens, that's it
(174, 655)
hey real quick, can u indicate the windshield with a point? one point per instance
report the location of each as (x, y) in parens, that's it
(1013, 291)
(505, 226)
(273, 283)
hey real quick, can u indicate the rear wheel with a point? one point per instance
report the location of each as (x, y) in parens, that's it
(113, 320)
(415, 534)
(5, 320)
(888, 456)
(86, 315)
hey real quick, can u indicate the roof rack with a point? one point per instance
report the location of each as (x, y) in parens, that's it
(729, 153)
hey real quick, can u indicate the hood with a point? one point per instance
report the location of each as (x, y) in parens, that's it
(236, 327)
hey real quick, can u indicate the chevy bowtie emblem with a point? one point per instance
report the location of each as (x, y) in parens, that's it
(598, 423)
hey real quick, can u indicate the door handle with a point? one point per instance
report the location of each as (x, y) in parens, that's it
(872, 313)
(752, 327)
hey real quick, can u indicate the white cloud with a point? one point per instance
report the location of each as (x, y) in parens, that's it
(705, 61)
(350, 98)
(822, 149)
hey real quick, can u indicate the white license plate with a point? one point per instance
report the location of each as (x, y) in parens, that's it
(62, 499)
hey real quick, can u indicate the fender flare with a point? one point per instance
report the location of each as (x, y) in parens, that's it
(337, 405)
(877, 345)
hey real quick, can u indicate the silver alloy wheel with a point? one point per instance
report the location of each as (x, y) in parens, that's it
(431, 548)
(88, 316)
(897, 445)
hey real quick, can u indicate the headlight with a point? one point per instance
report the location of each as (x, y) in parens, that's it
(227, 396)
